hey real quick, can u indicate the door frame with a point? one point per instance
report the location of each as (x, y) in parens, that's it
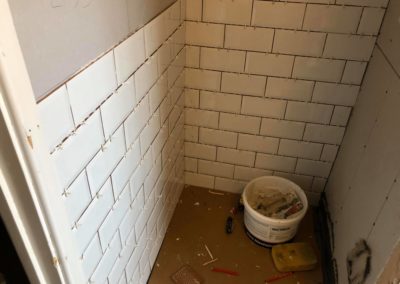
(30, 204)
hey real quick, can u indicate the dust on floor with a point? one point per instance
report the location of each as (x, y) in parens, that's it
(199, 220)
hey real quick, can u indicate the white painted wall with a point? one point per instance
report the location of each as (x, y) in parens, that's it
(363, 191)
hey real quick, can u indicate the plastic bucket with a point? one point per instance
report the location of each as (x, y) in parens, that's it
(267, 229)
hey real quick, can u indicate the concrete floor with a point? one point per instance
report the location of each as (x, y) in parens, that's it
(199, 220)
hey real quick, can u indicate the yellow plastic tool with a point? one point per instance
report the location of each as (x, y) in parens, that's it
(294, 257)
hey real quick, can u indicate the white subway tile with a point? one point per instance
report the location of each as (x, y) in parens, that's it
(278, 15)
(227, 11)
(122, 279)
(215, 169)
(91, 257)
(354, 72)
(229, 185)
(199, 180)
(331, 18)
(247, 174)
(126, 229)
(263, 107)
(149, 132)
(340, 116)
(222, 59)
(157, 93)
(200, 151)
(92, 86)
(255, 143)
(249, 38)
(164, 55)
(220, 102)
(111, 223)
(175, 69)
(78, 149)
(353, 47)
(300, 149)
(236, 157)
(199, 117)
(101, 166)
(204, 34)
(243, 84)
(194, 10)
(273, 162)
(308, 112)
(282, 128)
(93, 216)
(192, 98)
(313, 168)
(145, 77)
(305, 182)
(137, 179)
(77, 198)
(324, 134)
(218, 137)
(318, 69)
(192, 56)
(336, 94)
(107, 261)
(117, 274)
(55, 117)
(297, 90)
(299, 43)
(125, 168)
(202, 79)
(117, 107)
(132, 268)
(129, 55)
(371, 20)
(190, 164)
(329, 153)
(191, 133)
(151, 179)
(135, 122)
(269, 64)
(239, 123)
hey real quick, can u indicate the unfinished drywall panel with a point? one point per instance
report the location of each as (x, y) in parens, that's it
(362, 191)
(271, 86)
(372, 96)
(115, 134)
(389, 40)
(60, 37)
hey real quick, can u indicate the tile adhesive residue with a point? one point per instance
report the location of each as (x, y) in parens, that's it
(276, 204)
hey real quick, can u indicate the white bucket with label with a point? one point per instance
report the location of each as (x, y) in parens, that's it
(268, 229)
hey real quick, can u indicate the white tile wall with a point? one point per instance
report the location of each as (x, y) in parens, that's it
(92, 86)
(272, 93)
(115, 133)
(56, 118)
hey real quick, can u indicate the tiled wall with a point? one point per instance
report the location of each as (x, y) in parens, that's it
(115, 134)
(271, 85)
